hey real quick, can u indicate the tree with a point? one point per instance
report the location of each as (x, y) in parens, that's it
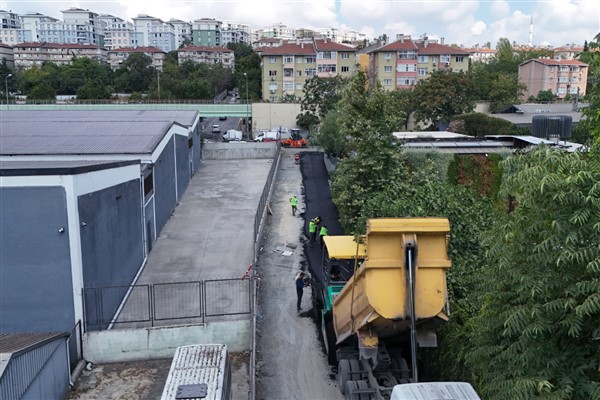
(479, 125)
(330, 138)
(367, 117)
(505, 90)
(320, 96)
(42, 91)
(545, 96)
(136, 74)
(538, 328)
(443, 95)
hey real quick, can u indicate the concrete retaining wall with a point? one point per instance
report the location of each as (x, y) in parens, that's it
(122, 345)
(270, 115)
(238, 150)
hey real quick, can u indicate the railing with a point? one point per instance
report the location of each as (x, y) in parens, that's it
(75, 345)
(155, 304)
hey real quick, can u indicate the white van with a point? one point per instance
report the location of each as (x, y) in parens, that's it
(267, 136)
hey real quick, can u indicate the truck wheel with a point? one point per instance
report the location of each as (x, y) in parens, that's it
(350, 387)
(363, 385)
(343, 374)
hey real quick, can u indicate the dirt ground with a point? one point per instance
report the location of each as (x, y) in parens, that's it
(291, 361)
(145, 380)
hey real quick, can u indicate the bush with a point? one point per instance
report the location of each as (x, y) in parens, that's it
(478, 125)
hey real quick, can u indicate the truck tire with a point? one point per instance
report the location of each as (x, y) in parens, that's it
(343, 374)
(363, 385)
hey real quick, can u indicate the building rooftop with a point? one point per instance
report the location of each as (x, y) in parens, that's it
(439, 49)
(289, 48)
(26, 168)
(328, 45)
(551, 61)
(208, 49)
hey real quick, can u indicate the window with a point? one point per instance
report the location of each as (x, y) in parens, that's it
(299, 72)
(460, 59)
(445, 58)
(272, 86)
(387, 82)
(387, 68)
(288, 72)
(272, 60)
(406, 81)
(273, 99)
(310, 60)
(574, 69)
(406, 67)
(387, 56)
(299, 60)
(345, 56)
(310, 71)
(345, 68)
(564, 68)
(422, 71)
(288, 86)
(563, 79)
(298, 86)
(148, 184)
(288, 59)
(562, 90)
(423, 59)
(326, 55)
(272, 73)
(327, 68)
(574, 80)
(407, 54)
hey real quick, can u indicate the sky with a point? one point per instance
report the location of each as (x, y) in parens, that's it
(555, 22)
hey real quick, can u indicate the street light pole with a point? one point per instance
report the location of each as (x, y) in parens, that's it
(6, 88)
(247, 111)
(158, 83)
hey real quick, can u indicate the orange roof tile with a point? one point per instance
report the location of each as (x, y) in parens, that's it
(328, 45)
(289, 48)
(439, 49)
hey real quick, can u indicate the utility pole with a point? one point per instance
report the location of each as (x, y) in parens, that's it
(158, 80)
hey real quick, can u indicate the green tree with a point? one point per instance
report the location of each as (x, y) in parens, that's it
(42, 91)
(367, 117)
(505, 90)
(135, 75)
(443, 95)
(321, 95)
(545, 96)
(537, 333)
(330, 138)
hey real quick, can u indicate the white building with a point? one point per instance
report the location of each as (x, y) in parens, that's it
(31, 23)
(183, 31)
(11, 31)
(279, 31)
(155, 32)
(81, 26)
(118, 32)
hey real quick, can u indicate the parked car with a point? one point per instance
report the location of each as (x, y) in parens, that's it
(216, 129)
(222, 118)
(232, 135)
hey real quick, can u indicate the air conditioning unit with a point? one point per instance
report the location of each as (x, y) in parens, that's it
(447, 64)
(272, 90)
(272, 78)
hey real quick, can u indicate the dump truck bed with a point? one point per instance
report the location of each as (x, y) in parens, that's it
(376, 297)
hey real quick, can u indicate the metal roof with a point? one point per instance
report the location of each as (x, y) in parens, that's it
(432, 135)
(17, 342)
(25, 168)
(185, 118)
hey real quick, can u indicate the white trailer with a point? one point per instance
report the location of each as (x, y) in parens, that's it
(200, 371)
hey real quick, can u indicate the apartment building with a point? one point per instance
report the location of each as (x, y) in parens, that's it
(155, 33)
(119, 33)
(562, 77)
(568, 52)
(481, 54)
(401, 64)
(7, 55)
(118, 56)
(79, 26)
(206, 32)
(27, 55)
(10, 28)
(286, 68)
(279, 31)
(183, 31)
(207, 55)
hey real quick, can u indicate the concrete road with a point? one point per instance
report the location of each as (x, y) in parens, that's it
(291, 361)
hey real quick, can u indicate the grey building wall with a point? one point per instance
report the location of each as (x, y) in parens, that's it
(183, 164)
(197, 149)
(35, 263)
(39, 373)
(164, 185)
(112, 246)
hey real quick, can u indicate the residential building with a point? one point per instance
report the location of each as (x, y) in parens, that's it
(119, 32)
(155, 33)
(401, 64)
(7, 55)
(31, 24)
(568, 52)
(266, 42)
(334, 59)
(27, 55)
(118, 56)
(304, 33)
(183, 31)
(561, 77)
(206, 32)
(481, 54)
(394, 65)
(207, 55)
(233, 32)
(279, 31)
(80, 26)
(341, 35)
(286, 68)
(11, 31)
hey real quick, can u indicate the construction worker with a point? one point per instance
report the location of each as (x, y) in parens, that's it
(322, 232)
(312, 230)
(294, 204)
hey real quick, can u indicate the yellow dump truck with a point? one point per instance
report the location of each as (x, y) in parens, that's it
(393, 302)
